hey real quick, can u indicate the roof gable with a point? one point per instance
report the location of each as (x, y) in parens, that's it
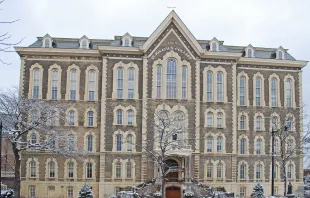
(173, 18)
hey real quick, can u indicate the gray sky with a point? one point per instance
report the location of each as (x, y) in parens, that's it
(262, 23)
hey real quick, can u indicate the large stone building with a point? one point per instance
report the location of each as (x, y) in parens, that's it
(114, 88)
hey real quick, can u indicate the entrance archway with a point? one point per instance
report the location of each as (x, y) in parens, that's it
(172, 170)
(173, 192)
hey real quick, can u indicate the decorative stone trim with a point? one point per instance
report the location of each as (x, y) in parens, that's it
(246, 146)
(246, 125)
(278, 90)
(215, 116)
(246, 89)
(234, 114)
(49, 89)
(125, 115)
(197, 111)
(262, 146)
(30, 93)
(262, 89)
(123, 169)
(124, 142)
(28, 168)
(78, 72)
(91, 67)
(86, 117)
(256, 115)
(66, 172)
(92, 161)
(214, 83)
(93, 142)
(126, 67)
(262, 173)
(179, 64)
(103, 106)
(76, 116)
(144, 118)
(289, 76)
(47, 169)
(21, 77)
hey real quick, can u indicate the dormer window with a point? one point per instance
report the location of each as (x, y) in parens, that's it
(126, 42)
(214, 46)
(84, 44)
(250, 53)
(47, 42)
(280, 55)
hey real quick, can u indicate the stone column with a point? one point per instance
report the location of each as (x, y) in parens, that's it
(144, 118)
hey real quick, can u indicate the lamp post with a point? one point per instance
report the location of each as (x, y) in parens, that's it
(272, 161)
(0, 150)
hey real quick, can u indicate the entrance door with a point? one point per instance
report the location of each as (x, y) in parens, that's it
(173, 192)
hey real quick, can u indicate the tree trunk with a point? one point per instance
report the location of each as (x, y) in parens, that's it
(163, 182)
(284, 176)
(17, 174)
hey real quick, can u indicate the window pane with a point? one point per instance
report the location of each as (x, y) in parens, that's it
(210, 120)
(130, 117)
(209, 170)
(219, 144)
(209, 86)
(90, 143)
(131, 82)
(54, 84)
(70, 169)
(84, 44)
(52, 169)
(33, 169)
(242, 146)
(36, 83)
(91, 85)
(89, 173)
(242, 91)
(171, 79)
(288, 92)
(159, 81)
(209, 143)
(242, 122)
(90, 118)
(219, 120)
(184, 82)
(219, 170)
(129, 142)
(214, 46)
(47, 43)
(118, 142)
(118, 170)
(119, 114)
(274, 92)
(219, 87)
(73, 84)
(258, 91)
(249, 53)
(120, 79)
(128, 170)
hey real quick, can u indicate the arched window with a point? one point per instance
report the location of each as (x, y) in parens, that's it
(89, 143)
(209, 86)
(33, 138)
(120, 82)
(259, 168)
(214, 46)
(159, 81)
(210, 119)
(171, 79)
(250, 53)
(51, 167)
(71, 118)
(242, 171)
(131, 83)
(242, 146)
(259, 123)
(275, 173)
(243, 191)
(130, 117)
(90, 116)
(289, 123)
(259, 143)
(32, 166)
(258, 91)
(242, 90)
(119, 115)
(47, 43)
(280, 55)
(127, 44)
(219, 170)
(71, 142)
(209, 170)
(54, 84)
(118, 170)
(276, 146)
(118, 142)
(184, 82)
(89, 170)
(73, 84)
(274, 92)
(70, 169)
(129, 142)
(290, 171)
(219, 120)
(91, 84)
(274, 123)
(219, 145)
(128, 170)
(36, 83)
(209, 143)
(219, 85)
(242, 122)
(288, 93)
(84, 44)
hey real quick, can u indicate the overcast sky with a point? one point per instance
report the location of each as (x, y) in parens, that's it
(262, 23)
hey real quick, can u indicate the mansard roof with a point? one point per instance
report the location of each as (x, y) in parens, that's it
(143, 43)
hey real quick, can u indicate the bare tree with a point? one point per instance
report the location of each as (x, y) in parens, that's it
(24, 118)
(287, 141)
(5, 37)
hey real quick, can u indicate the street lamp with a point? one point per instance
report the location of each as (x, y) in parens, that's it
(272, 160)
(0, 150)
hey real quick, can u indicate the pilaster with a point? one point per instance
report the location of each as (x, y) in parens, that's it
(144, 118)
(21, 77)
(234, 108)
(301, 130)
(103, 104)
(197, 113)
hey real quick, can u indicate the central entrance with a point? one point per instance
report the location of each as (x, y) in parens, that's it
(171, 170)
(173, 192)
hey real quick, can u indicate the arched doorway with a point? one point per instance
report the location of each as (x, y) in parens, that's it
(171, 170)
(173, 192)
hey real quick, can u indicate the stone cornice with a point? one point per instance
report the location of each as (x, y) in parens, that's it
(273, 62)
(120, 50)
(210, 54)
(56, 51)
